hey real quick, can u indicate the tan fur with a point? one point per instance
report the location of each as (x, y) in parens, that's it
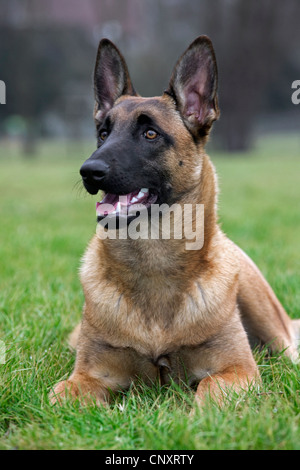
(155, 310)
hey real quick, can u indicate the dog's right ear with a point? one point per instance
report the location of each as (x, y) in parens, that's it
(111, 78)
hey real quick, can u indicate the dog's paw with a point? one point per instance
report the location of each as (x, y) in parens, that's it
(67, 390)
(62, 391)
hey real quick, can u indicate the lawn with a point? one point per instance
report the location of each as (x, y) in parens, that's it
(46, 222)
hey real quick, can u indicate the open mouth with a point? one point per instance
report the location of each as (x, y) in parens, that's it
(126, 204)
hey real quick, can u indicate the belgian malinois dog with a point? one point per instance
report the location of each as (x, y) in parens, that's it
(153, 308)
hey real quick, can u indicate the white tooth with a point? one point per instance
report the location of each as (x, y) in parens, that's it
(144, 190)
(134, 199)
(141, 194)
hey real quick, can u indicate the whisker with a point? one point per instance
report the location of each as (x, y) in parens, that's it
(79, 188)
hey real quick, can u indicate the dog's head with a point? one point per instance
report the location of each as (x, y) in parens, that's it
(148, 148)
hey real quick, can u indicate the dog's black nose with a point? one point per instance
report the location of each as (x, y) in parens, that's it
(93, 171)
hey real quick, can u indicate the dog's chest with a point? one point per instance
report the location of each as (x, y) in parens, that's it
(162, 326)
(156, 317)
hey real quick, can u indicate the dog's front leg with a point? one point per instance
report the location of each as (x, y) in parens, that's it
(222, 385)
(82, 386)
(101, 369)
(95, 376)
(224, 363)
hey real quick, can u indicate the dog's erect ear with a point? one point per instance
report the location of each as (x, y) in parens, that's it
(111, 78)
(194, 86)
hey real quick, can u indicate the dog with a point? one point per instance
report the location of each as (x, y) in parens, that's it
(155, 309)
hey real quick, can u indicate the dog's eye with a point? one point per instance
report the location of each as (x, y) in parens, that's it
(103, 135)
(150, 134)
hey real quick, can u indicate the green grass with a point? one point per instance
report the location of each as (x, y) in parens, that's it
(46, 222)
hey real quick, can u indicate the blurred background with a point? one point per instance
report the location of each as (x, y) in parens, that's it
(48, 48)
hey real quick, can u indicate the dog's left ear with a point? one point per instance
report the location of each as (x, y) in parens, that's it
(111, 78)
(194, 85)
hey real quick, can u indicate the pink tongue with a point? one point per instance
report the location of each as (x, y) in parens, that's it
(110, 201)
(107, 205)
(103, 209)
